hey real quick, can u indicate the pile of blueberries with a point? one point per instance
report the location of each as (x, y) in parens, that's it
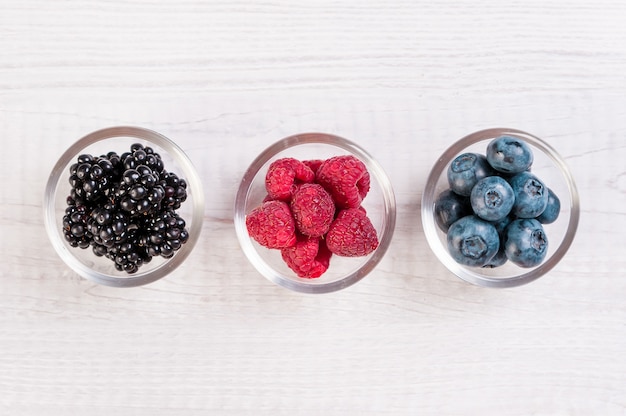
(495, 208)
(124, 207)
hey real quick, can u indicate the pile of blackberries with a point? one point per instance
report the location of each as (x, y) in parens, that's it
(124, 207)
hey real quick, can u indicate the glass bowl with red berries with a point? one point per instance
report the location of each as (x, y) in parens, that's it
(500, 208)
(123, 206)
(315, 213)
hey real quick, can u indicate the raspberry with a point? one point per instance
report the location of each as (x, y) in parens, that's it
(298, 214)
(314, 164)
(346, 178)
(352, 234)
(272, 225)
(313, 209)
(309, 257)
(283, 175)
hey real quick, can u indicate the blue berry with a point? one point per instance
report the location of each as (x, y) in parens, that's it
(509, 155)
(503, 223)
(473, 241)
(531, 195)
(465, 170)
(505, 197)
(450, 207)
(492, 198)
(500, 258)
(525, 242)
(551, 213)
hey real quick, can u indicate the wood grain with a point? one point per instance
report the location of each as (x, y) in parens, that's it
(225, 80)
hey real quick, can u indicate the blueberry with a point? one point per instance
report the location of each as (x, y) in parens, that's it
(492, 198)
(473, 241)
(509, 155)
(450, 207)
(551, 213)
(531, 195)
(500, 258)
(525, 242)
(502, 224)
(465, 170)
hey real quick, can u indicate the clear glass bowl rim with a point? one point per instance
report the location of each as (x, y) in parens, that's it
(193, 184)
(376, 171)
(430, 227)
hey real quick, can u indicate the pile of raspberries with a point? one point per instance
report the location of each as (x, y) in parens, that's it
(312, 211)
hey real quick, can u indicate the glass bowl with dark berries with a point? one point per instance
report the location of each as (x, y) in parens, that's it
(500, 208)
(315, 213)
(123, 206)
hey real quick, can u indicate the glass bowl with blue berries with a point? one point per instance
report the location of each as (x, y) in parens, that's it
(500, 208)
(123, 206)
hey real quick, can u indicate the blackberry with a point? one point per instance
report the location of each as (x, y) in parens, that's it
(75, 226)
(129, 255)
(139, 193)
(116, 163)
(108, 226)
(92, 178)
(140, 155)
(175, 190)
(123, 206)
(165, 234)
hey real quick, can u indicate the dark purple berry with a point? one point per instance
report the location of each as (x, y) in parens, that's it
(137, 192)
(123, 206)
(75, 226)
(130, 176)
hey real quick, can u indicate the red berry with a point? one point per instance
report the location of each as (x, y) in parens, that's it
(313, 209)
(308, 258)
(346, 178)
(352, 234)
(314, 164)
(283, 175)
(272, 225)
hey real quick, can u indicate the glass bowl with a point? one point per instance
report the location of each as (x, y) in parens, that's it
(119, 139)
(343, 271)
(548, 166)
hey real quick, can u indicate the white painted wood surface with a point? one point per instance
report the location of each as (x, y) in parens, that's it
(225, 80)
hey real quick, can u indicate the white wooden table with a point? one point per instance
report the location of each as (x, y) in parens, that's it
(225, 80)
